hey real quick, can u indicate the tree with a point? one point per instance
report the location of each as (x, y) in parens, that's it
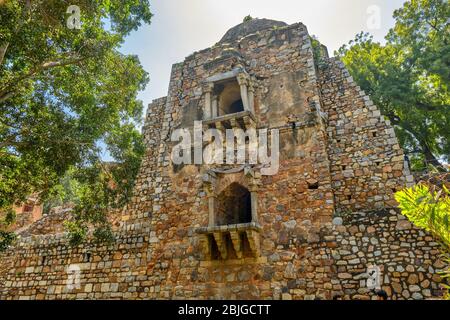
(65, 95)
(408, 78)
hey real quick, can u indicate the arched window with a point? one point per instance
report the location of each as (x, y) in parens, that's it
(234, 206)
(230, 100)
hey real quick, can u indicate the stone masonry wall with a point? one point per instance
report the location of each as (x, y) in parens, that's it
(367, 163)
(331, 264)
(141, 204)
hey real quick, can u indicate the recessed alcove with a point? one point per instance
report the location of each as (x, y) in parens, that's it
(234, 206)
(228, 93)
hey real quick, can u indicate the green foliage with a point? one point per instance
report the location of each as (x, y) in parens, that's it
(66, 192)
(66, 95)
(247, 18)
(427, 209)
(408, 78)
(77, 232)
(7, 237)
(317, 50)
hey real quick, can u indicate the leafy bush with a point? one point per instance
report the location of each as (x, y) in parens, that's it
(7, 237)
(428, 207)
(248, 18)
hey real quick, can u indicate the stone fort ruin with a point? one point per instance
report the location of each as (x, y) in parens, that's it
(323, 227)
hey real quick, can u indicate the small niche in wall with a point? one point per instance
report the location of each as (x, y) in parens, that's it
(87, 257)
(374, 134)
(43, 260)
(349, 198)
(344, 168)
(313, 185)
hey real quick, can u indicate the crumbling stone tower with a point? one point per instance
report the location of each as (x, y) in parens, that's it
(217, 227)
(216, 231)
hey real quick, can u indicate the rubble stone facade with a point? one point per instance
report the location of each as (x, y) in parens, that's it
(215, 231)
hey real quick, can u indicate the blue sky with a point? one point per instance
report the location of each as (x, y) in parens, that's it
(181, 27)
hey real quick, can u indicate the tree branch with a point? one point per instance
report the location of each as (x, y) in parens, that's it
(3, 49)
(7, 93)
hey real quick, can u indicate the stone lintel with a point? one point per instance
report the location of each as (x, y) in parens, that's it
(232, 227)
(247, 117)
(226, 75)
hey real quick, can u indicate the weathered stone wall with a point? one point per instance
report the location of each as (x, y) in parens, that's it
(39, 267)
(328, 264)
(141, 204)
(367, 163)
(407, 256)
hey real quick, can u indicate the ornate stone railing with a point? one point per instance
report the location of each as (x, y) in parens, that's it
(244, 239)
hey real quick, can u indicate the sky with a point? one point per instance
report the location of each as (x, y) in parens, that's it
(181, 27)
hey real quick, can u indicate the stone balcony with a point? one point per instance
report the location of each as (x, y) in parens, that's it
(236, 241)
(243, 120)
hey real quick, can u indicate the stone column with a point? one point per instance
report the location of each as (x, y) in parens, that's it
(254, 203)
(207, 110)
(243, 82)
(212, 211)
(251, 97)
(215, 113)
(253, 188)
(209, 182)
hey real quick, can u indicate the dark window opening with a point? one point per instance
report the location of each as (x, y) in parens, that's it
(234, 206)
(229, 98)
(237, 106)
(374, 134)
(43, 260)
(344, 168)
(349, 198)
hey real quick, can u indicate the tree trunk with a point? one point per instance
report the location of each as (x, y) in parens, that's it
(3, 49)
(430, 158)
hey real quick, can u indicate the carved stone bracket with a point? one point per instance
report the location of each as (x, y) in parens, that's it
(246, 235)
(237, 243)
(221, 243)
(254, 242)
